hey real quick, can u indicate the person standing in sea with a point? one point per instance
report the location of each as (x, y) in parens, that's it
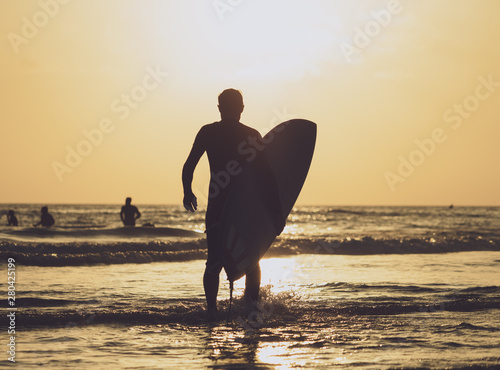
(222, 141)
(46, 219)
(11, 219)
(129, 213)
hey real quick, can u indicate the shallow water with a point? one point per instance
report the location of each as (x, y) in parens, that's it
(365, 287)
(371, 311)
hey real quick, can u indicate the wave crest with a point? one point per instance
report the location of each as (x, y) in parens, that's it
(186, 249)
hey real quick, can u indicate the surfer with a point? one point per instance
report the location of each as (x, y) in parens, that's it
(221, 141)
(46, 219)
(129, 213)
(11, 218)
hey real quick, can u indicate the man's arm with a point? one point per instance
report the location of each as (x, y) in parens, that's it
(137, 213)
(189, 201)
(122, 214)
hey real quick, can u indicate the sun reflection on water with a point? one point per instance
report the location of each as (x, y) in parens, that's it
(278, 354)
(277, 272)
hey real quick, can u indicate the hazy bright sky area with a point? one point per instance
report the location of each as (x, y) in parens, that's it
(100, 100)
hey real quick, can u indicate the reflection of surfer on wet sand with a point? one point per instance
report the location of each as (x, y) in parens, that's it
(221, 140)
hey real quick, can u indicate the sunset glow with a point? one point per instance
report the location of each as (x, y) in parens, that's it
(102, 100)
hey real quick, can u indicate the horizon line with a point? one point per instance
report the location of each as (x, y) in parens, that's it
(297, 205)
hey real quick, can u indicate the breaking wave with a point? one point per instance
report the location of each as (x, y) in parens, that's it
(194, 247)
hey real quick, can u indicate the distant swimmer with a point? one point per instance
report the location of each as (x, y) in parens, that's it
(46, 220)
(11, 219)
(129, 213)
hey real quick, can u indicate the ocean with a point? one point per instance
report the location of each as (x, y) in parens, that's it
(342, 287)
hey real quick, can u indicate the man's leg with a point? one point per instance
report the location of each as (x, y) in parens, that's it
(252, 285)
(212, 272)
(211, 285)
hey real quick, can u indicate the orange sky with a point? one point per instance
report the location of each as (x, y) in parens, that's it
(102, 99)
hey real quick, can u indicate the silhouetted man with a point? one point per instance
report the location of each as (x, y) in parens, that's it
(46, 218)
(129, 213)
(224, 143)
(11, 218)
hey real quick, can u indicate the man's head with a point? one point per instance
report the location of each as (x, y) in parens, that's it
(45, 210)
(128, 201)
(231, 104)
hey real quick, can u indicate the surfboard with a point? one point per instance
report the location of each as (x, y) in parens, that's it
(247, 225)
